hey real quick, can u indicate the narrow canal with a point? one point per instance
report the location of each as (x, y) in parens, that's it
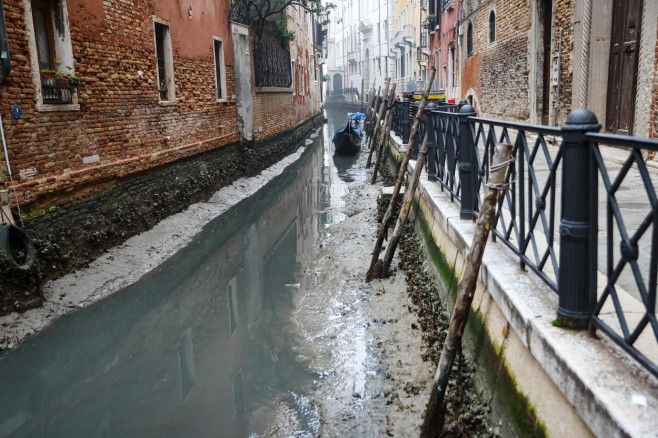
(230, 337)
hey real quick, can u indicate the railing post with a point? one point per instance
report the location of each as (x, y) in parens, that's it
(405, 121)
(577, 276)
(467, 165)
(413, 110)
(428, 117)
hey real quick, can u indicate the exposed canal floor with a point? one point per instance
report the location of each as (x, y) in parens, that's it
(262, 325)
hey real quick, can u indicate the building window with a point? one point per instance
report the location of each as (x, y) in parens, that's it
(453, 69)
(220, 69)
(51, 55)
(43, 33)
(165, 62)
(492, 27)
(469, 39)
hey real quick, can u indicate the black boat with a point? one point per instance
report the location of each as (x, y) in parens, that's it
(348, 138)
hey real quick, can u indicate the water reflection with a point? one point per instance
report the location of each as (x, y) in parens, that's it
(203, 347)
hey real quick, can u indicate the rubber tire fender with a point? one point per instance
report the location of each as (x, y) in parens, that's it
(13, 237)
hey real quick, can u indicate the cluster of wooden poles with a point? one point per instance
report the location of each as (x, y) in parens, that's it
(378, 133)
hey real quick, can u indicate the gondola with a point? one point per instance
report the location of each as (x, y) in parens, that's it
(348, 138)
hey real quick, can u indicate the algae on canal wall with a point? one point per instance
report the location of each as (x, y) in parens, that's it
(70, 237)
(509, 409)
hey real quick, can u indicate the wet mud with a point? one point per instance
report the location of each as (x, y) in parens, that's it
(374, 346)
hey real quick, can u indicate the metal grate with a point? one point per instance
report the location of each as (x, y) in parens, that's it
(57, 91)
(272, 65)
(239, 12)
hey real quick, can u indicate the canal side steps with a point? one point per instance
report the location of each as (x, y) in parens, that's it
(577, 385)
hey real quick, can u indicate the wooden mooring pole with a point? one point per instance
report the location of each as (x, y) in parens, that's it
(435, 413)
(383, 135)
(371, 121)
(375, 265)
(375, 128)
(404, 210)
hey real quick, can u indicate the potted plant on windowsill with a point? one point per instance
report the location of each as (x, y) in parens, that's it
(47, 73)
(73, 81)
(67, 80)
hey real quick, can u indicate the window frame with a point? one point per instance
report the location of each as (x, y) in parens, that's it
(168, 60)
(469, 39)
(61, 50)
(220, 81)
(492, 26)
(46, 5)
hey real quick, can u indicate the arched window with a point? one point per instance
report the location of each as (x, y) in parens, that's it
(492, 27)
(469, 39)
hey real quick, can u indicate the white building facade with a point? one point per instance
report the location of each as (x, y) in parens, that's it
(359, 54)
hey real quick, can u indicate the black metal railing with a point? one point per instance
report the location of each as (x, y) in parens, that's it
(57, 91)
(272, 66)
(626, 306)
(549, 216)
(526, 218)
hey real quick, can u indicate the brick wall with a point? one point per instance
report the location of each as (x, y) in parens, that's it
(120, 119)
(276, 111)
(499, 72)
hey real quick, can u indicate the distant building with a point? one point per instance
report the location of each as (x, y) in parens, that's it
(444, 36)
(358, 47)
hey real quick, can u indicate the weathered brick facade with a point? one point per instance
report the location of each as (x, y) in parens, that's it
(277, 110)
(498, 73)
(120, 119)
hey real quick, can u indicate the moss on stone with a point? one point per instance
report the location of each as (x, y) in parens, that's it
(488, 357)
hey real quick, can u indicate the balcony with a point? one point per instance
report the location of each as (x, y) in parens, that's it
(408, 35)
(58, 91)
(448, 5)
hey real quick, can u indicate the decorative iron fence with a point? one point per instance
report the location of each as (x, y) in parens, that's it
(626, 306)
(57, 90)
(602, 262)
(239, 12)
(272, 65)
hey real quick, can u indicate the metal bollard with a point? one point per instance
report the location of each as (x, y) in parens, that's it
(467, 165)
(578, 225)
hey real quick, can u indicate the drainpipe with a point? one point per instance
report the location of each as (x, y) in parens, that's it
(4, 47)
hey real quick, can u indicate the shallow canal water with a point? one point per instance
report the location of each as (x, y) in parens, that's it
(205, 345)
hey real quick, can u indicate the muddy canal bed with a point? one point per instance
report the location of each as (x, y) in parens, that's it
(259, 324)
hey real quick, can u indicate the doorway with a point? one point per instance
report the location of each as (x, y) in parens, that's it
(623, 66)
